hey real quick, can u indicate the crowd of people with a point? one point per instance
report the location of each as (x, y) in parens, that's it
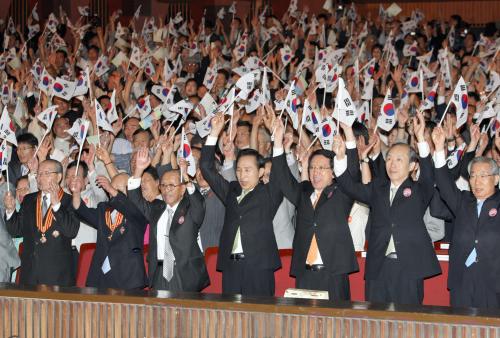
(327, 133)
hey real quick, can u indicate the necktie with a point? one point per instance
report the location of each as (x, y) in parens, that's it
(313, 252)
(391, 247)
(393, 193)
(169, 258)
(44, 205)
(237, 240)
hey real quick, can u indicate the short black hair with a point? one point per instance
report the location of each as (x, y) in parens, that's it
(83, 165)
(152, 171)
(323, 152)
(25, 177)
(360, 130)
(140, 130)
(242, 123)
(251, 152)
(28, 138)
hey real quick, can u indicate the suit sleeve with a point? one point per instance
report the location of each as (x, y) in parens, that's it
(447, 189)
(353, 164)
(354, 189)
(14, 223)
(66, 218)
(121, 203)
(196, 207)
(284, 179)
(135, 196)
(377, 166)
(426, 179)
(207, 165)
(88, 215)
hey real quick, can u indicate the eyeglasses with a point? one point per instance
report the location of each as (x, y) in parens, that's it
(319, 168)
(169, 187)
(481, 176)
(46, 173)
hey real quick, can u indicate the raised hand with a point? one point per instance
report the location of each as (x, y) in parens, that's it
(279, 132)
(475, 134)
(438, 137)
(54, 193)
(142, 161)
(419, 126)
(339, 146)
(217, 125)
(10, 202)
(105, 184)
(103, 155)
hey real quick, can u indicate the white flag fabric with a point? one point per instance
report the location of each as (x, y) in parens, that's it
(203, 127)
(135, 57)
(346, 111)
(387, 117)
(226, 101)
(45, 83)
(461, 101)
(183, 108)
(4, 155)
(291, 102)
(363, 112)
(48, 116)
(144, 106)
(265, 87)
(79, 130)
(81, 84)
(326, 133)
(7, 129)
(431, 98)
(368, 90)
(414, 84)
(101, 67)
(210, 76)
(63, 88)
(160, 92)
(101, 119)
(208, 103)
(246, 83)
(286, 55)
(112, 113)
(186, 153)
(52, 23)
(5, 97)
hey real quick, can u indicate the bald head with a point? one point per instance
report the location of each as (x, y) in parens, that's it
(119, 182)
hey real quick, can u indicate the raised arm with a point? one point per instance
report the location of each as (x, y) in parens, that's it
(426, 178)
(207, 162)
(134, 183)
(445, 184)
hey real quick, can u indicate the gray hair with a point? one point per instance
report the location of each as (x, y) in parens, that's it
(483, 159)
(412, 154)
(57, 165)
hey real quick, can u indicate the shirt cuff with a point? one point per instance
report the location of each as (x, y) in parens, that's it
(350, 144)
(133, 183)
(374, 157)
(190, 188)
(228, 164)
(423, 149)
(339, 166)
(277, 152)
(8, 214)
(439, 159)
(211, 141)
(56, 207)
(441, 99)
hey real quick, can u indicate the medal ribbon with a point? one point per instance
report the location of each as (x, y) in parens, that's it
(113, 225)
(49, 217)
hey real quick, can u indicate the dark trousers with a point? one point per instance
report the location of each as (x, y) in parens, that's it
(160, 283)
(242, 278)
(75, 255)
(392, 285)
(337, 285)
(474, 291)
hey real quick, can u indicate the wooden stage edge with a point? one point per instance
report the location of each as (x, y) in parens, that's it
(53, 309)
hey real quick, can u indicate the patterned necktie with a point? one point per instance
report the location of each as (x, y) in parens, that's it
(169, 258)
(44, 206)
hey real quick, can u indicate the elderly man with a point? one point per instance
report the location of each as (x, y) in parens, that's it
(400, 252)
(176, 262)
(47, 224)
(474, 275)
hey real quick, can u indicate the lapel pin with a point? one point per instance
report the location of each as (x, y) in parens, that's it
(407, 192)
(181, 220)
(55, 233)
(492, 212)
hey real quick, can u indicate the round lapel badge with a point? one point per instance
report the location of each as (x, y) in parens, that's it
(492, 212)
(407, 192)
(181, 220)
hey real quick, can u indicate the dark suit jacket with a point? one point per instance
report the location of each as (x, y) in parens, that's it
(254, 215)
(212, 223)
(403, 219)
(471, 231)
(125, 248)
(186, 222)
(328, 221)
(50, 262)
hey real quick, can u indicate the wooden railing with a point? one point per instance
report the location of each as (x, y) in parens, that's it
(72, 312)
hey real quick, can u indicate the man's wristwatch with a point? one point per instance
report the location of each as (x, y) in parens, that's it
(364, 160)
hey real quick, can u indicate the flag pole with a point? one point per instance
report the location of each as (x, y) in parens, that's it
(444, 114)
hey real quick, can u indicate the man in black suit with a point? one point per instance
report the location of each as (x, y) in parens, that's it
(474, 274)
(323, 251)
(118, 259)
(400, 252)
(175, 260)
(25, 151)
(47, 225)
(248, 253)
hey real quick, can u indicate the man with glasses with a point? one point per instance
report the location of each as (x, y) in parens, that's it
(323, 251)
(474, 275)
(47, 224)
(175, 261)
(25, 151)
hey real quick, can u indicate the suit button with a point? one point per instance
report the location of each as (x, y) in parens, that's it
(393, 225)
(477, 260)
(315, 225)
(476, 241)
(241, 217)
